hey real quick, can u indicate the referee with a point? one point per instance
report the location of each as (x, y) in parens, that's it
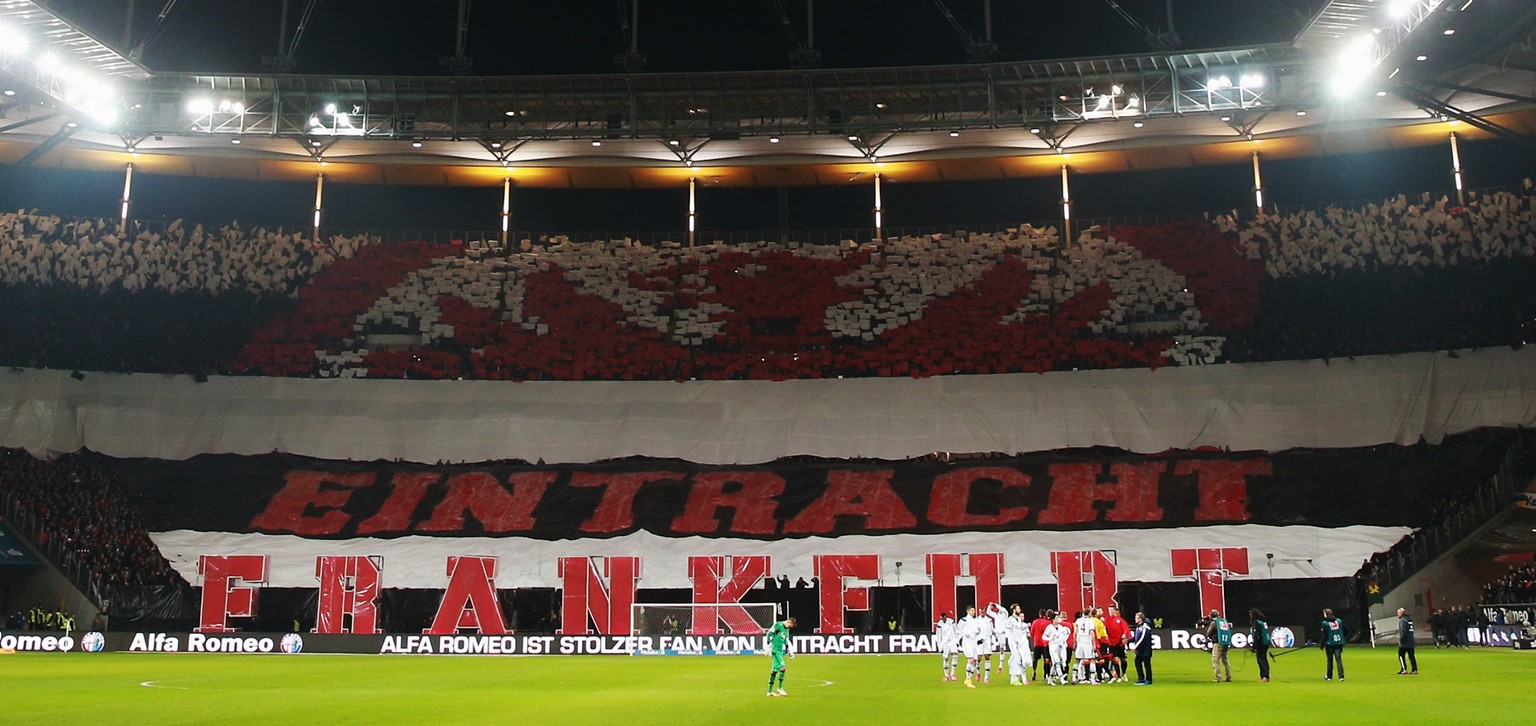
(1405, 643)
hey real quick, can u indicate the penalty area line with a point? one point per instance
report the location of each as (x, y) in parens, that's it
(156, 684)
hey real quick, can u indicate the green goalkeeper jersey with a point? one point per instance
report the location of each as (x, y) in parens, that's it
(778, 637)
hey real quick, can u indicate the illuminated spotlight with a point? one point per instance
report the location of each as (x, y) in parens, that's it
(236, 142)
(1103, 102)
(1354, 64)
(1138, 124)
(415, 144)
(12, 41)
(1379, 94)
(674, 142)
(314, 122)
(72, 125)
(773, 139)
(49, 63)
(1219, 82)
(1252, 80)
(1449, 31)
(688, 163)
(200, 106)
(495, 144)
(1400, 8)
(511, 113)
(315, 144)
(1226, 119)
(1421, 58)
(224, 106)
(1301, 113)
(954, 134)
(330, 109)
(9, 92)
(1035, 130)
(853, 138)
(1133, 102)
(1116, 90)
(880, 105)
(596, 142)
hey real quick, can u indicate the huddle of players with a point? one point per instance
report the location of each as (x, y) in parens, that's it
(1097, 645)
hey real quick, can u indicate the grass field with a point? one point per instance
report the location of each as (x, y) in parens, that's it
(1468, 686)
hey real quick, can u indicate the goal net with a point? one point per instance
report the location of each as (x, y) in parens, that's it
(701, 628)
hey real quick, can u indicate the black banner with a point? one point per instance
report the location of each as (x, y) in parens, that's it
(277, 494)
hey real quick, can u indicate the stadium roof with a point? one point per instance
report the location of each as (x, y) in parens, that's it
(1435, 62)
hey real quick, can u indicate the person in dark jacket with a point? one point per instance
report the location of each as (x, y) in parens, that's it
(1405, 643)
(1332, 643)
(1141, 646)
(1260, 642)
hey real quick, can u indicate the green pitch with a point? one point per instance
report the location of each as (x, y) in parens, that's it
(1466, 686)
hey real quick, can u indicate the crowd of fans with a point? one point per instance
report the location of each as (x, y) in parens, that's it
(80, 512)
(1392, 277)
(1518, 585)
(99, 255)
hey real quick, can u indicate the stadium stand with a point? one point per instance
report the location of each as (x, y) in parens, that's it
(81, 517)
(1402, 275)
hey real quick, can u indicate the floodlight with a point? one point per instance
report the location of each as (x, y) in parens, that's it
(1103, 102)
(1116, 90)
(1138, 124)
(330, 109)
(49, 63)
(1133, 102)
(1400, 8)
(954, 134)
(200, 106)
(12, 41)
(596, 142)
(773, 139)
(314, 122)
(1252, 80)
(1220, 82)
(415, 144)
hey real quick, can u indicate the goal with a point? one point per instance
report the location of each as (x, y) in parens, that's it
(700, 628)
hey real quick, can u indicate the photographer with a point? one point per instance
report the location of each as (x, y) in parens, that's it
(1260, 642)
(1219, 634)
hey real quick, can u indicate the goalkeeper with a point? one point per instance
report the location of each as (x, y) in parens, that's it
(778, 647)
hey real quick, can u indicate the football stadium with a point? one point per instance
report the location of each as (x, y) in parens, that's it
(688, 362)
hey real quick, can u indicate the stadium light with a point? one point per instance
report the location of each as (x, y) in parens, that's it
(1354, 64)
(200, 106)
(1401, 8)
(12, 41)
(1219, 82)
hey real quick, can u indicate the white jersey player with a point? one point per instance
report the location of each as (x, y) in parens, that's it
(1085, 635)
(988, 647)
(1000, 625)
(947, 634)
(1018, 648)
(1056, 636)
(975, 639)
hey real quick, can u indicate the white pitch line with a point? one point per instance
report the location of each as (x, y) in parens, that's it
(156, 684)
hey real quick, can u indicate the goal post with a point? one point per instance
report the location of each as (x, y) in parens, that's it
(700, 628)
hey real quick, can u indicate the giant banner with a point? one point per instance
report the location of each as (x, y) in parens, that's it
(1284, 508)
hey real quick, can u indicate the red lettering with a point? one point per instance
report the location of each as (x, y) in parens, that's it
(482, 496)
(1210, 566)
(1223, 486)
(743, 574)
(322, 491)
(1075, 489)
(470, 600)
(836, 594)
(866, 494)
(949, 503)
(754, 505)
(944, 572)
(349, 586)
(396, 512)
(1084, 578)
(616, 511)
(227, 591)
(584, 595)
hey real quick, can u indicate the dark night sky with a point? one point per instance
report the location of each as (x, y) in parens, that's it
(582, 36)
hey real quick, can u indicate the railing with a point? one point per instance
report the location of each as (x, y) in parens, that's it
(57, 553)
(816, 236)
(1424, 545)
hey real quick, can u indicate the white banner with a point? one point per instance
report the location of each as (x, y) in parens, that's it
(1268, 407)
